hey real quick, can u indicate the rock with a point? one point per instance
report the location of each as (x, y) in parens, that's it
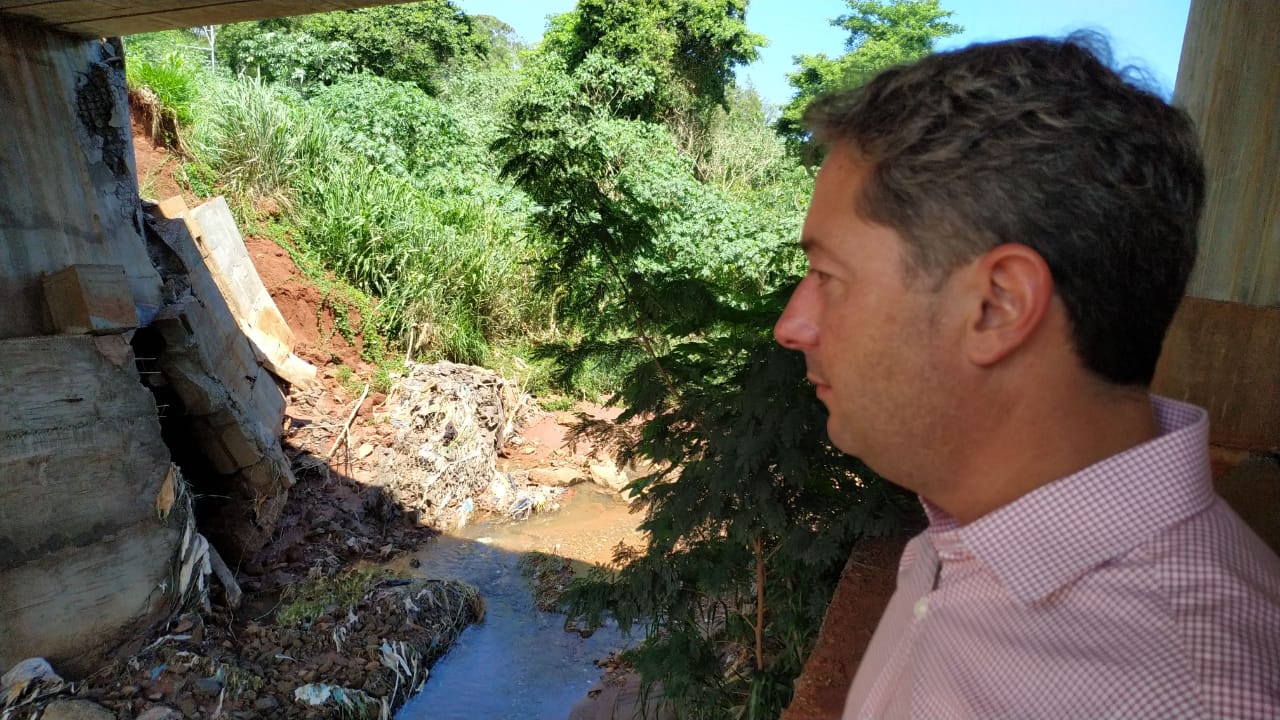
(208, 687)
(365, 451)
(266, 702)
(160, 712)
(556, 476)
(608, 475)
(76, 710)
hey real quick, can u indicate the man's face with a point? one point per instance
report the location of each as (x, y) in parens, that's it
(872, 338)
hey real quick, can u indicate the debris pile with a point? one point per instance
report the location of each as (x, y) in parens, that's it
(348, 660)
(450, 421)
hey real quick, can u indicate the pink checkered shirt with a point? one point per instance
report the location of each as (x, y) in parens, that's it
(1126, 590)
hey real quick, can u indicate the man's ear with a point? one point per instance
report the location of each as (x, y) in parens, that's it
(1013, 289)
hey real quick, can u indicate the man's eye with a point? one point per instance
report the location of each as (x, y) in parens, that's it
(821, 276)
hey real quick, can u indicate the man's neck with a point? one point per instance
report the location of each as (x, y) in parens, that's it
(1026, 445)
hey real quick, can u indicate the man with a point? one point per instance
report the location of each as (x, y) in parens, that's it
(997, 242)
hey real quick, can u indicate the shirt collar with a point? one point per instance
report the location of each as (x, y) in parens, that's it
(1056, 533)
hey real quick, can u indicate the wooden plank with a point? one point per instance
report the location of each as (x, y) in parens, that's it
(1225, 357)
(90, 299)
(1229, 82)
(80, 447)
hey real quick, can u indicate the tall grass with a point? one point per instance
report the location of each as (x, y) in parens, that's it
(259, 145)
(171, 79)
(451, 270)
(446, 268)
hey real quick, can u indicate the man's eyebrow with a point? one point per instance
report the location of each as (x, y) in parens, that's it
(808, 242)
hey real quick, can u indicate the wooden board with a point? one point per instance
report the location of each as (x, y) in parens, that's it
(80, 449)
(1225, 357)
(1229, 83)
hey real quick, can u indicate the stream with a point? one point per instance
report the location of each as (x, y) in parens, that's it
(519, 664)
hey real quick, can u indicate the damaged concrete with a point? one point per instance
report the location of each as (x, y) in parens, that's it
(118, 356)
(82, 552)
(70, 197)
(227, 405)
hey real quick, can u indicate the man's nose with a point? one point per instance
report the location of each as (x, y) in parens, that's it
(797, 328)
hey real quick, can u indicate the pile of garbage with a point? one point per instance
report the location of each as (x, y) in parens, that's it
(450, 422)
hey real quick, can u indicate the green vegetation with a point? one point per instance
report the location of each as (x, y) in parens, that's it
(605, 214)
(313, 597)
(172, 79)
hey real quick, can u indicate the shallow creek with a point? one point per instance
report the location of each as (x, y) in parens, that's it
(519, 663)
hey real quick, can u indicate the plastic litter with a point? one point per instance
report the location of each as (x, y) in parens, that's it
(451, 420)
(28, 681)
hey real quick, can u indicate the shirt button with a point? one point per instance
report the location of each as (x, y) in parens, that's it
(921, 608)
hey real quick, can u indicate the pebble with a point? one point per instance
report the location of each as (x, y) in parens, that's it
(160, 712)
(76, 710)
(208, 686)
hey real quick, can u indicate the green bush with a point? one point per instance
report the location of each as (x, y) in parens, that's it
(395, 125)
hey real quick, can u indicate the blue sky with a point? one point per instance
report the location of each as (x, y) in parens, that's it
(1142, 32)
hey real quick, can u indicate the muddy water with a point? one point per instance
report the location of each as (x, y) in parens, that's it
(519, 664)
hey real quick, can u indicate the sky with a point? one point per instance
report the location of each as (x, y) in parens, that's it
(1147, 33)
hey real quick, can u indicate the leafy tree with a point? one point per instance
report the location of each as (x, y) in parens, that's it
(882, 33)
(689, 48)
(414, 42)
(740, 151)
(676, 282)
(504, 45)
(294, 57)
(395, 125)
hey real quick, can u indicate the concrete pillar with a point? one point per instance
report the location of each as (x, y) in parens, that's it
(1223, 351)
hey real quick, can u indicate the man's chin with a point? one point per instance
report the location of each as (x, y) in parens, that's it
(839, 438)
